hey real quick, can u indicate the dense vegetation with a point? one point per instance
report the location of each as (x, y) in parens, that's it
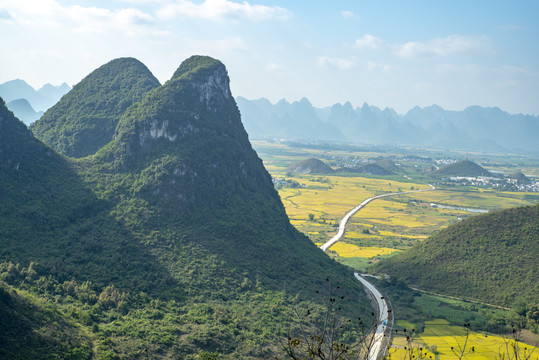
(169, 241)
(490, 257)
(85, 118)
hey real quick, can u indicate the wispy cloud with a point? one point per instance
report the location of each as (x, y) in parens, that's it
(5, 15)
(82, 19)
(337, 63)
(223, 10)
(442, 47)
(372, 66)
(350, 15)
(369, 41)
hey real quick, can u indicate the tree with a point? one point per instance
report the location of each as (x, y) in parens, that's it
(329, 335)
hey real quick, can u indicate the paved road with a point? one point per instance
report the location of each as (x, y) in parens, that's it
(383, 312)
(383, 318)
(344, 221)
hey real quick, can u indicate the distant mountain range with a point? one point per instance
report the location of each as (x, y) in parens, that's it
(475, 128)
(40, 99)
(24, 111)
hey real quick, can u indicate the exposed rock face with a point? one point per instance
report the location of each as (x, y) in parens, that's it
(216, 86)
(189, 133)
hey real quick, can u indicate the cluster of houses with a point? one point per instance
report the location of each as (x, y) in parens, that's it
(280, 183)
(494, 182)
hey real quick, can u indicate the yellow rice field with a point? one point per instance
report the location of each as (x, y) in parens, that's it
(329, 200)
(440, 336)
(356, 235)
(351, 250)
(389, 233)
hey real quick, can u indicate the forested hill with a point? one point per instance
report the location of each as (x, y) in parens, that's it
(171, 237)
(85, 118)
(465, 168)
(490, 257)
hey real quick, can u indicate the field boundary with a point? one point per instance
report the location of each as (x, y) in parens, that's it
(460, 299)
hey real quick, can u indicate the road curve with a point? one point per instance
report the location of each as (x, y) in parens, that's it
(344, 221)
(383, 310)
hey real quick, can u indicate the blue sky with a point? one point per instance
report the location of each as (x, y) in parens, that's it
(387, 53)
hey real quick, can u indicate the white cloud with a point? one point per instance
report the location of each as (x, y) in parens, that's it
(223, 10)
(338, 63)
(369, 41)
(350, 15)
(143, 1)
(51, 14)
(442, 47)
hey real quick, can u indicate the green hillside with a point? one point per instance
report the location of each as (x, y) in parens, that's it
(491, 258)
(388, 165)
(464, 168)
(48, 215)
(170, 240)
(85, 118)
(38, 330)
(520, 178)
(311, 166)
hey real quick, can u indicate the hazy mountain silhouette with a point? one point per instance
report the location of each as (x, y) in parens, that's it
(297, 120)
(24, 111)
(475, 128)
(41, 99)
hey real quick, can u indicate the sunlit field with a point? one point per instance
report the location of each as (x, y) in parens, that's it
(439, 337)
(318, 204)
(350, 250)
(386, 227)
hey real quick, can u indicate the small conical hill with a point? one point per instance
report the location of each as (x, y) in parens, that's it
(464, 168)
(388, 165)
(84, 119)
(520, 178)
(311, 166)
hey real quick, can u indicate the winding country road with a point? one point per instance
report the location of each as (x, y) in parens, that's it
(383, 310)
